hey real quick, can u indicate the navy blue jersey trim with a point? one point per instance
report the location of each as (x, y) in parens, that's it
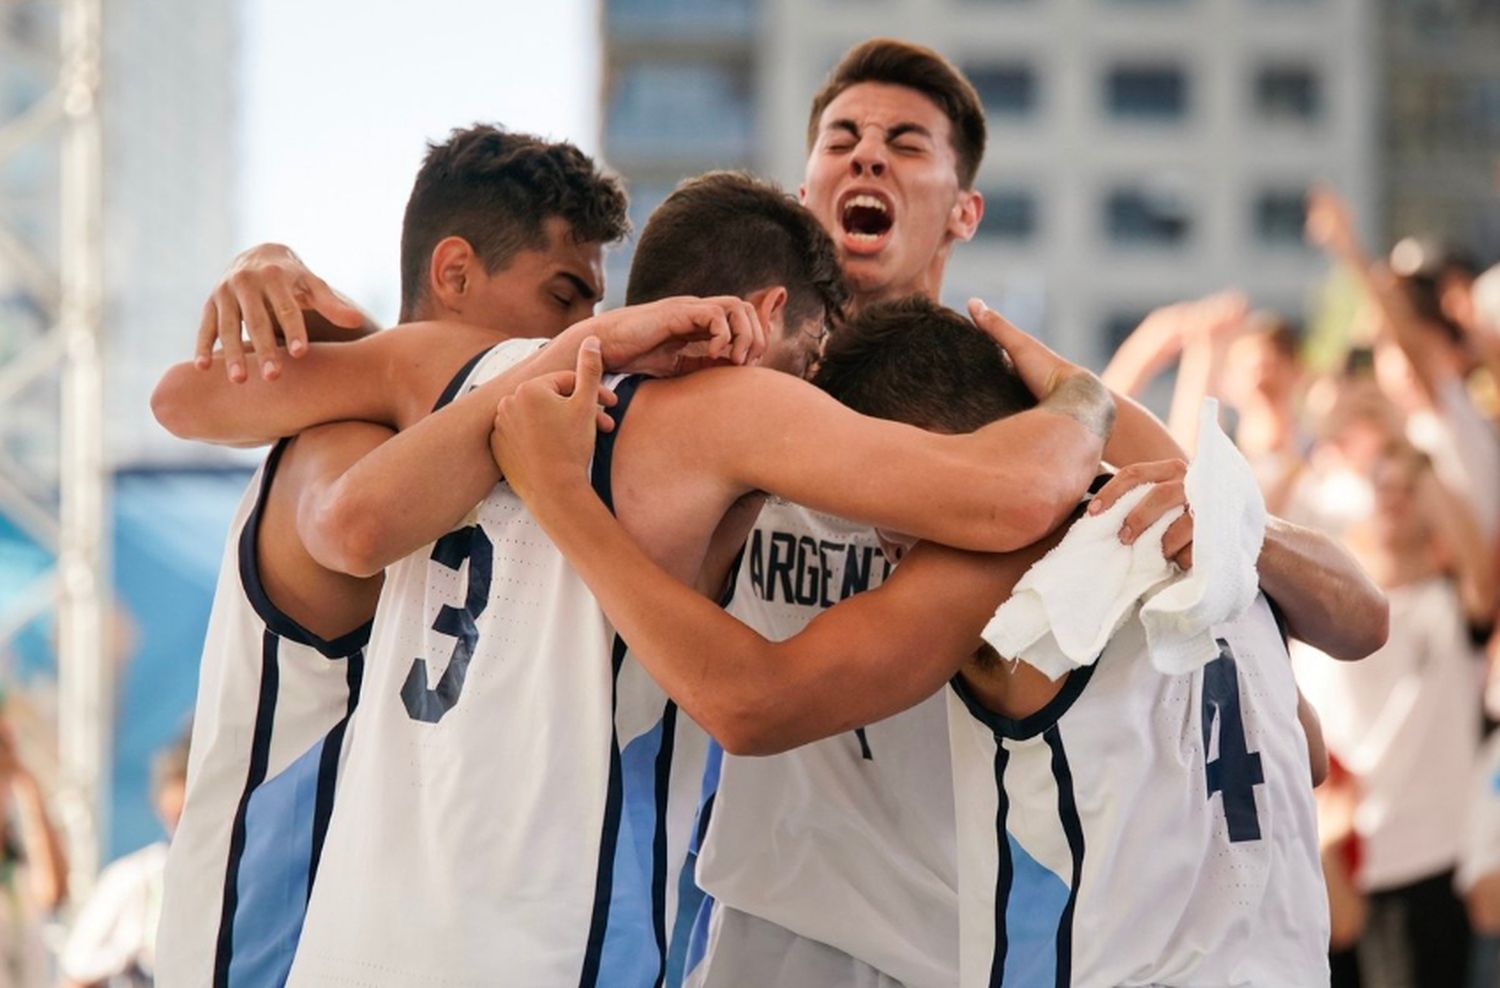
(1279, 616)
(1027, 727)
(604, 445)
(275, 620)
(260, 756)
(659, 839)
(1067, 811)
(457, 382)
(1005, 869)
(604, 874)
(328, 768)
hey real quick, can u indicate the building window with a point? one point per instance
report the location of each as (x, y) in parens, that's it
(1005, 90)
(1287, 92)
(1146, 92)
(1009, 214)
(1148, 217)
(1280, 215)
(671, 109)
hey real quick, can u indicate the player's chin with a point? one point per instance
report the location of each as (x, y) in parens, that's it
(870, 274)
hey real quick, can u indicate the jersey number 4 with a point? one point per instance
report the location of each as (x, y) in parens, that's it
(1236, 771)
(429, 703)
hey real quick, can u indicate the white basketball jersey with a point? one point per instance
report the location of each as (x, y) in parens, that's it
(1144, 829)
(273, 701)
(504, 815)
(848, 841)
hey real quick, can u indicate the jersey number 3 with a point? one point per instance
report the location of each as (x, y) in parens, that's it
(429, 703)
(1236, 771)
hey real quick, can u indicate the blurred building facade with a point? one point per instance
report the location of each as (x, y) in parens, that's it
(1140, 151)
(1440, 141)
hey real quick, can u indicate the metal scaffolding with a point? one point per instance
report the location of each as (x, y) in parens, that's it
(65, 512)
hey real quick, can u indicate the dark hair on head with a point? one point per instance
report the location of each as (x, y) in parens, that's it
(900, 63)
(912, 360)
(730, 233)
(496, 189)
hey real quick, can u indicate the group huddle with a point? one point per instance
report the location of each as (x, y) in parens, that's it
(653, 647)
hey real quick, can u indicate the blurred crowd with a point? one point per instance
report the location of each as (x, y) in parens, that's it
(1389, 443)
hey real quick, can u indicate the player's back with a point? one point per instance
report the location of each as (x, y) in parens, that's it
(504, 799)
(267, 730)
(1142, 828)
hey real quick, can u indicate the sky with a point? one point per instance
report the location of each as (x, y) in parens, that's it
(339, 97)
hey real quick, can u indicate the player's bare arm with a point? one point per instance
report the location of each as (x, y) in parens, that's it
(392, 503)
(328, 603)
(392, 378)
(866, 658)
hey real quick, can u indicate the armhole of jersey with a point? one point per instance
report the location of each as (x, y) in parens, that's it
(456, 384)
(1280, 618)
(604, 444)
(1026, 727)
(275, 619)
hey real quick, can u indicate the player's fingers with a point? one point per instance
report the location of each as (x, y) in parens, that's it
(287, 311)
(590, 370)
(252, 304)
(229, 334)
(608, 398)
(1163, 498)
(716, 328)
(1133, 476)
(208, 331)
(331, 305)
(1177, 540)
(742, 334)
(762, 339)
(603, 422)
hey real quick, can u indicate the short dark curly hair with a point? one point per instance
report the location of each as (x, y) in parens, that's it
(495, 189)
(914, 361)
(730, 233)
(900, 63)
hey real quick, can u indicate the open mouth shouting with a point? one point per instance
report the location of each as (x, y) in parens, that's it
(866, 218)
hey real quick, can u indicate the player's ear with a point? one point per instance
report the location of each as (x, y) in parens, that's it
(450, 272)
(964, 219)
(770, 305)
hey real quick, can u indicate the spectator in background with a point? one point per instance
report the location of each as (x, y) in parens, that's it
(113, 940)
(1422, 360)
(33, 870)
(1405, 721)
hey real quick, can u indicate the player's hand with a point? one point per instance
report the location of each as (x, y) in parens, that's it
(1167, 495)
(1040, 369)
(266, 290)
(544, 432)
(678, 335)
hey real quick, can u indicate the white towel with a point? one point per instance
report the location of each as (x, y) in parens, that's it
(1072, 601)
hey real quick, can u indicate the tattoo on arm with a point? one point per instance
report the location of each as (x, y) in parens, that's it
(1085, 399)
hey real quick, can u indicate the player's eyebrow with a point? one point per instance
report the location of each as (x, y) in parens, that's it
(848, 126)
(904, 128)
(585, 290)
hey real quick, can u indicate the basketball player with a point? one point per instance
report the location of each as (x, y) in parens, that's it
(285, 650)
(895, 142)
(1094, 804)
(514, 786)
